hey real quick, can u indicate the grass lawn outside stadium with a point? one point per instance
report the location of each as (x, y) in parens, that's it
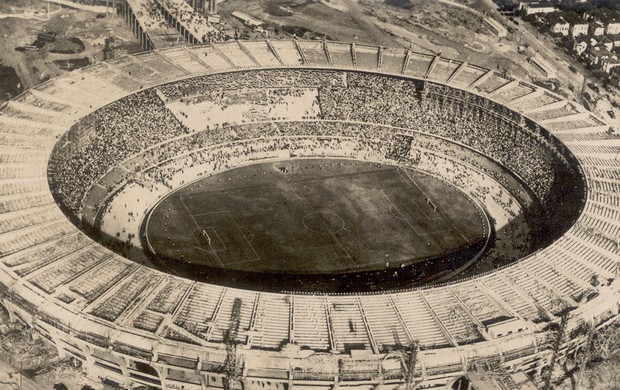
(314, 218)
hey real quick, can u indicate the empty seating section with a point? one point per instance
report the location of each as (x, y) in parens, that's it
(17, 156)
(604, 211)
(148, 321)
(126, 294)
(197, 309)
(106, 91)
(393, 60)
(603, 185)
(237, 55)
(605, 173)
(21, 141)
(467, 76)
(444, 69)
(479, 303)
(21, 186)
(314, 52)
(347, 322)
(136, 69)
(419, 320)
(595, 238)
(21, 170)
(601, 224)
(74, 88)
(33, 99)
(553, 277)
(386, 327)
(452, 315)
(553, 113)
(123, 79)
(606, 150)
(287, 52)
(212, 58)
(310, 327)
(581, 123)
(512, 92)
(271, 325)
(67, 268)
(608, 200)
(539, 293)
(261, 53)
(99, 279)
(183, 57)
(161, 64)
(571, 266)
(604, 230)
(10, 222)
(367, 57)
(169, 297)
(577, 249)
(506, 292)
(33, 258)
(537, 101)
(491, 83)
(584, 136)
(106, 72)
(28, 127)
(40, 116)
(223, 321)
(340, 54)
(418, 64)
(27, 237)
(595, 161)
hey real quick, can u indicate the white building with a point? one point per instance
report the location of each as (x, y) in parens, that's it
(579, 29)
(612, 28)
(247, 19)
(536, 7)
(560, 26)
(495, 26)
(543, 66)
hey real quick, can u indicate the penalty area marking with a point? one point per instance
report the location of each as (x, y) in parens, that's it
(401, 171)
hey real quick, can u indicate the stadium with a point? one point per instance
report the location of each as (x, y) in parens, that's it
(213, 157)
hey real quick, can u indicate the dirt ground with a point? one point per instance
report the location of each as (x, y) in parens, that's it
(80, 32)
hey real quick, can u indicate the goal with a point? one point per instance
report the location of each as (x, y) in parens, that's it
(206, 236)
(431, 204)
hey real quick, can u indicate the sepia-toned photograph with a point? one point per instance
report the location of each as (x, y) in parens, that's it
(309, 194)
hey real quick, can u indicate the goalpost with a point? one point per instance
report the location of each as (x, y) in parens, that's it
(431, 204)
(206, 236)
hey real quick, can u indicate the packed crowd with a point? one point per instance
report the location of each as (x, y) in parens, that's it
(121, 129)
(140, 131)
(258, 79)
(465, 118)
(194, 21)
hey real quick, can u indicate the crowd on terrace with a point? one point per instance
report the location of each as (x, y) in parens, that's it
(110, 135)
(139, 131)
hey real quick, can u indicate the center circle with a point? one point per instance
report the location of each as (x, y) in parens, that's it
(323, 222)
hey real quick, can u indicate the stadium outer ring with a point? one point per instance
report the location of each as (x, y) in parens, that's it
(118, 352)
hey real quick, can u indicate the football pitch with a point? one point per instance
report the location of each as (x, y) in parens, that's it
(314, 216)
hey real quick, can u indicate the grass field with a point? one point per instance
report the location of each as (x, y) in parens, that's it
(320, 216)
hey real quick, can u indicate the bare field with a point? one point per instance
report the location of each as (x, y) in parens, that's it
(21, 21)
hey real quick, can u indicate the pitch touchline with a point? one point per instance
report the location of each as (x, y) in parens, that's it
(198, 226)
(441, 212)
